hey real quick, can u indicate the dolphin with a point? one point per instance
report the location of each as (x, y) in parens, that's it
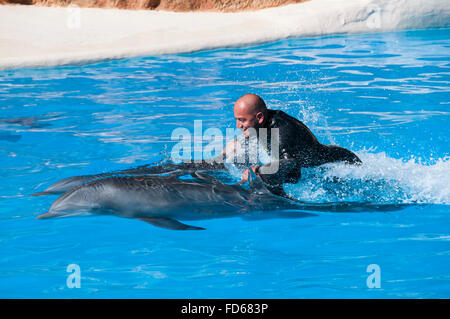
(30, 122)
(163, 201)
(150, 170)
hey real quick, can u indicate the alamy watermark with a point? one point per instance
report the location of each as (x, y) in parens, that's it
(258, 145)
(374, 279)
(74, 279)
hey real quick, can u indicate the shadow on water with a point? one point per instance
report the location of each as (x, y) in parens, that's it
(351, 207)
(5, 136)
(29, 122)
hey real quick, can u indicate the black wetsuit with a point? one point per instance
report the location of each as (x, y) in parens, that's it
(298, 147)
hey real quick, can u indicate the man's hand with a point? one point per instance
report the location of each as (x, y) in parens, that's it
(245, 174)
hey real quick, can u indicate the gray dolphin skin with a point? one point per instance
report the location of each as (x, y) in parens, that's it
(163, 201)
(149, 170)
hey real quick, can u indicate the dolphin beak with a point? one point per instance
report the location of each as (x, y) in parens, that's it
(41, 193)
(43, 216)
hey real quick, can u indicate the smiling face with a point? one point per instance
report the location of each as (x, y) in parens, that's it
(245, 120)
(249, 113)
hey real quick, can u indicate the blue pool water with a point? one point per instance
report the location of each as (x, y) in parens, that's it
(384, 96)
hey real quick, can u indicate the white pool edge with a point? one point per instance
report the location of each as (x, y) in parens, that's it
(33, 36)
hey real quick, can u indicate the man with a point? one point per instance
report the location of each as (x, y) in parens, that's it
(298, 147)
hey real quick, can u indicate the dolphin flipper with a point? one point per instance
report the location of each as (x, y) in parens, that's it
(169, 223)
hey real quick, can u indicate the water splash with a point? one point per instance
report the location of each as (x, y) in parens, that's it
(380, 180)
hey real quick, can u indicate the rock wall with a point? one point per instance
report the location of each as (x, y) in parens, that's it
(167, 5)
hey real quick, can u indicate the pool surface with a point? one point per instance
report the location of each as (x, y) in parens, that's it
(383, 95)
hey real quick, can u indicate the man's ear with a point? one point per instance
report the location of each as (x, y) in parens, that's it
(260, 117)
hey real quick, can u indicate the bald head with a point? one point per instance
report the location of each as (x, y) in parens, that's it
(251, 104)
(250, 112)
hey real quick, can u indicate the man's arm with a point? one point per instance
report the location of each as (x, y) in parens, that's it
(285, 170)
(229, 151)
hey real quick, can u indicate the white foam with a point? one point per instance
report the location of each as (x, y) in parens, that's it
(380, 179)
(33, 36)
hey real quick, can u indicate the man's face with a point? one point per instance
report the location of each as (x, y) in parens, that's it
(246, 120)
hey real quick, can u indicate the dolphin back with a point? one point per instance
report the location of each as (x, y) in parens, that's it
(69, 183)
